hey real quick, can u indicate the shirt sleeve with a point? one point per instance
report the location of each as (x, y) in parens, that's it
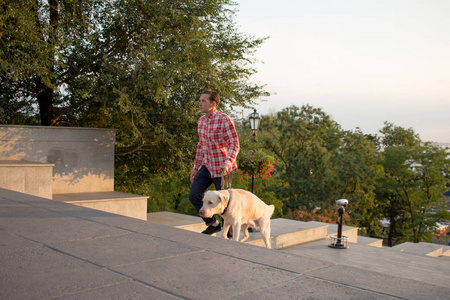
(198, 157)
(231, 137)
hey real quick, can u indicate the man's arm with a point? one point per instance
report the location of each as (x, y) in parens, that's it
(232, 140)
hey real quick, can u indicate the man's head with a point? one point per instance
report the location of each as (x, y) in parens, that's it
(209, 100)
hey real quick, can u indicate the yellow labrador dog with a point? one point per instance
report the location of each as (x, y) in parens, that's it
(239, 209)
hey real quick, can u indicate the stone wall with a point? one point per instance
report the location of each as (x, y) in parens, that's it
(83, 158)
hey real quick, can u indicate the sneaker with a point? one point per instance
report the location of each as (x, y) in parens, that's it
(212, 229)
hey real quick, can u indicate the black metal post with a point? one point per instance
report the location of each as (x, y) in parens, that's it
(253, 183)
(254, 151)
(339, 233)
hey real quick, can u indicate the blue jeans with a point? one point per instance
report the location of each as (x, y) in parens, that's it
(201, 183)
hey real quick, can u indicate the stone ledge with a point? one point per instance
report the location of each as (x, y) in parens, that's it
(27, 177)
(130, 205)
(369, 241)
(427, 249)
(23, 163)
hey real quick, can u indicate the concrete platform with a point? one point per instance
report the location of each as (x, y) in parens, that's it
(285, 233)
(350, 232)
(434, 250)
(176, 220)
(362, 262)
(28, 177)
(125, 204)
(368, 241)
(55, 250)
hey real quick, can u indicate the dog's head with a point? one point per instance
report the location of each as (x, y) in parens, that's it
(214, 202)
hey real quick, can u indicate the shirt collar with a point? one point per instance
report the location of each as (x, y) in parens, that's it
(212, 114)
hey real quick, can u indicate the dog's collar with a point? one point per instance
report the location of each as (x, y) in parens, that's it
(229, 200)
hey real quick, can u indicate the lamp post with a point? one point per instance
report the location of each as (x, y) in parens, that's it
(254, 125)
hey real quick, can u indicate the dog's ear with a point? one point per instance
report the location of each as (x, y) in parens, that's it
(223, 196)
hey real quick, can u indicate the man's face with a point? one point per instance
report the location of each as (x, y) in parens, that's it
(206, 106)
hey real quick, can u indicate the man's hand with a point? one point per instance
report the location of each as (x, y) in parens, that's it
(193, 173)
(224, 170)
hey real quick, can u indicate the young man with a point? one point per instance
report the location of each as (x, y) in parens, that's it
(217, 150)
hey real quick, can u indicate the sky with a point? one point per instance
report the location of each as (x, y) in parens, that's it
(363, 62)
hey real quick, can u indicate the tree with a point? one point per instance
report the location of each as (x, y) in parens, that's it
(298, 138)
(322, 163)
(415, 177)
(137, 66)
(355, 161)
(38, 40)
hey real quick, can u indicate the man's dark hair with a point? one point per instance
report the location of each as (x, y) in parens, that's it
(213, 96)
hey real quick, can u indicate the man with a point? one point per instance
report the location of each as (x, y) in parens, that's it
(217, 149)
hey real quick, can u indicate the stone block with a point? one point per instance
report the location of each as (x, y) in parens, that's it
(130, 205)
(27, 177)
(83, 158)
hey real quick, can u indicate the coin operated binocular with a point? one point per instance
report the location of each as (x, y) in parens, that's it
(338, 241)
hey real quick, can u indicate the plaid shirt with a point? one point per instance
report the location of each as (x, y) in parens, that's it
(218, 143)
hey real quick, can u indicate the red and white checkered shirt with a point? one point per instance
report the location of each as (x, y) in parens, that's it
(218, 143)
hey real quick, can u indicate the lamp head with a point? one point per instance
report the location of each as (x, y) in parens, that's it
(254, 121)
(341, 203)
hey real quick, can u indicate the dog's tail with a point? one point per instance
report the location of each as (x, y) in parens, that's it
(271, 209)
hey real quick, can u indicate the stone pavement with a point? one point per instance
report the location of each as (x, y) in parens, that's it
(54, 250)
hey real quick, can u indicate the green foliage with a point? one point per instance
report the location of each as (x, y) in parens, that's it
(137, 66)
(321, 163)
(166, 193)
(415, 177)
(392, 176)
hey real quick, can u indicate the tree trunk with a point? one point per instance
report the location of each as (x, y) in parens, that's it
(45, 99)
(391, 231)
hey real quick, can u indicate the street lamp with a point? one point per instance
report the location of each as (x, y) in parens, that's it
(254, 125)
(254, 121)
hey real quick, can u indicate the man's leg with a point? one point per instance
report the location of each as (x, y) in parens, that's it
(201, 183)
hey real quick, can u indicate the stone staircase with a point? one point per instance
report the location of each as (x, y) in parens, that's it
(284, 232)
(72, 165)
(35, 178)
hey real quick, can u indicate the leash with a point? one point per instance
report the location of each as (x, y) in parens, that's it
(225, 182)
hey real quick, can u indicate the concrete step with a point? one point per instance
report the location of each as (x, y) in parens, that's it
(368, 241)
(427, 249)
(130, 205)
(350, 232)
(284, 232)
(27, 177)
(182, 221)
